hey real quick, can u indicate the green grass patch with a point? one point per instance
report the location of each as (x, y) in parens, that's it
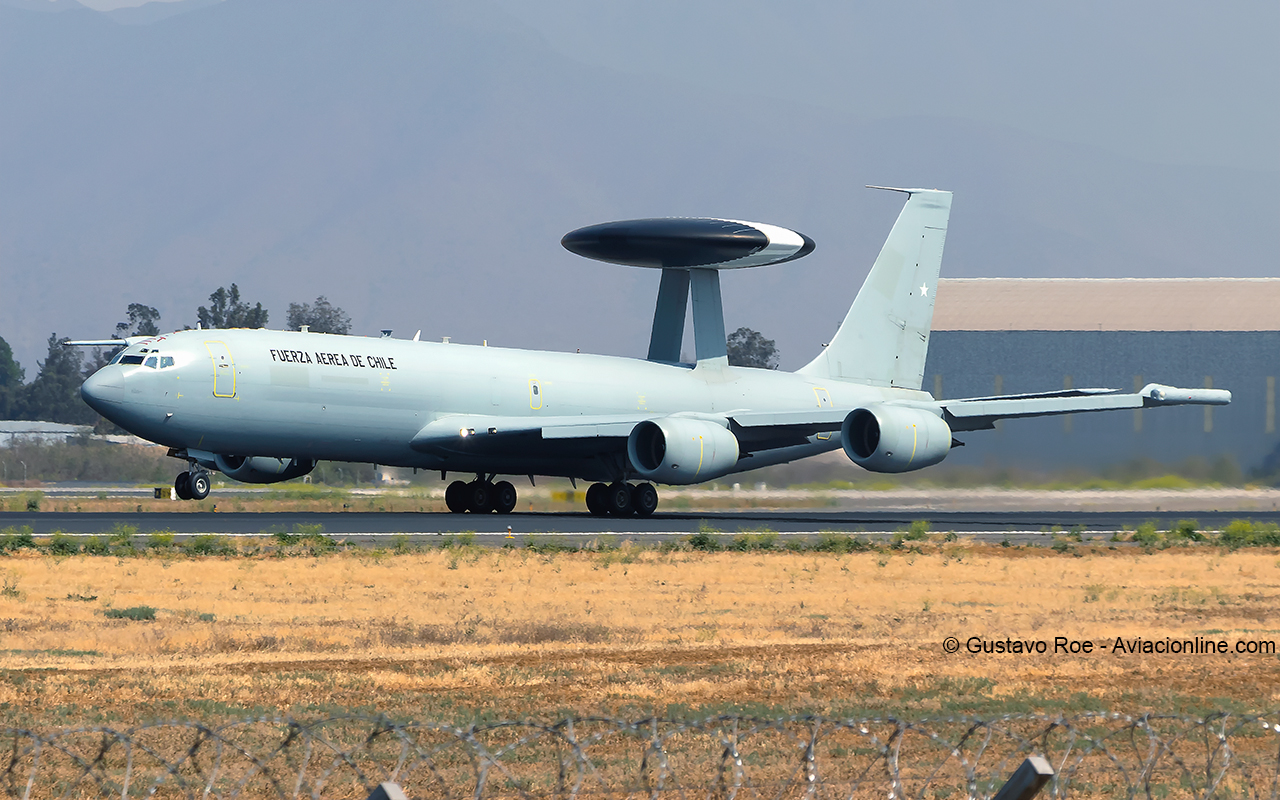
(12, 539)
(135, 613)
(1247, 533)
(209, 544)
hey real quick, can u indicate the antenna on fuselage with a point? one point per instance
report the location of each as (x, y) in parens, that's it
(690, 252)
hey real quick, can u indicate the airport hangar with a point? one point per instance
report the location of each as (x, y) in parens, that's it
(1004, 335)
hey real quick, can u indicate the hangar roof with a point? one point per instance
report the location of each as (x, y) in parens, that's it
(1107, 304)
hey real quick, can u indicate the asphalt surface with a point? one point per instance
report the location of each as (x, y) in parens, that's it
(491, 529)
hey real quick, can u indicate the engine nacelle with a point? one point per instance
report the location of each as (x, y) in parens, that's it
(884, 438)
(679, 450)
(263, 469)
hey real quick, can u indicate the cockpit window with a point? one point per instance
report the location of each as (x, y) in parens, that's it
(131, 360)
(166, 361)
(150, 362)
(116, 358)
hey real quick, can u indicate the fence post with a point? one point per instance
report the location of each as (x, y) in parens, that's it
(1026, 780)
(388, 791)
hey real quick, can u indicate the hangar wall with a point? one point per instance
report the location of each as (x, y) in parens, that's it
(981, 351)
(976, 363)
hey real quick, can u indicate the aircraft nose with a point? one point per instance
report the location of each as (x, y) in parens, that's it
(100, 391)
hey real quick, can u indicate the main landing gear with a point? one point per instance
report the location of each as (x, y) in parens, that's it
(622, 499)
(480, 497)
(193, 485)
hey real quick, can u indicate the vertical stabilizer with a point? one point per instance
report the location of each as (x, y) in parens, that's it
(885, 336)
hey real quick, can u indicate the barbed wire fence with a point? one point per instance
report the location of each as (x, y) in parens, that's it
(1092, 754)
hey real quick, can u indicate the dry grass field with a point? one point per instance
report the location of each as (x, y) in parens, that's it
(466, 632)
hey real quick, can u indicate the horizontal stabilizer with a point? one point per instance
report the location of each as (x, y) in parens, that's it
(106, 342)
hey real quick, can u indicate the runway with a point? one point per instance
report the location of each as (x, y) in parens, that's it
(492, 529)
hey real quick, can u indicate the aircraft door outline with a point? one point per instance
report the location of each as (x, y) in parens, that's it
(224, 369)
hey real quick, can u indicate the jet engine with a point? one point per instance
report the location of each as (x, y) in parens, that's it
(680, 450)
(263, 469)
(885, 438)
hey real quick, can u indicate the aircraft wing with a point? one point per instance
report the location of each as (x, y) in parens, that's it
(979, 413)
(481, 434)
(765, 430)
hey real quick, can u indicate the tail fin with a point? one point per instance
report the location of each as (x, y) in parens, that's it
(885, 336)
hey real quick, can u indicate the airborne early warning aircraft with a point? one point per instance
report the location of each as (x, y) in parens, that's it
(262, 406)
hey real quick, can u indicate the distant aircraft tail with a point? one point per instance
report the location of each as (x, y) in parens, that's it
(885, 336)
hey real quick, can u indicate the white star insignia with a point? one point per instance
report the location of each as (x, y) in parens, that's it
(924, 290)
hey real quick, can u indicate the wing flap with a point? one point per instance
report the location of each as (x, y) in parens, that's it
(620, 429)
(822, 419)
(469, 432)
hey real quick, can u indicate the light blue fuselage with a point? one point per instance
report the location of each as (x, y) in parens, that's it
(317, 396)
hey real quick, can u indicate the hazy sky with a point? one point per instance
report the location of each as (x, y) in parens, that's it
(418, 161)
(1178, 82)
(109, 5)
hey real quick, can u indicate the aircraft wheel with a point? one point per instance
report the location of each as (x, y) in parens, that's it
(455, 497)
(644, 499)
(200, 485)
(479, 497)
(597, 505)
(618, 499)
(182, 485)
(504, 497)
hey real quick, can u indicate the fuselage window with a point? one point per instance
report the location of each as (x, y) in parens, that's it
(166, 361)
(151, 362)
(131, 360)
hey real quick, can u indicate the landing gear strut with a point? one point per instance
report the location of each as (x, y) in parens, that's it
(480, 497)
(621, 499)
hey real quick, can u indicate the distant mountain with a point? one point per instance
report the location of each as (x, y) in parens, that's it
(418, 162)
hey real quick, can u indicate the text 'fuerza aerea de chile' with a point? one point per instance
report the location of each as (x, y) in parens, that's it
(333, 359)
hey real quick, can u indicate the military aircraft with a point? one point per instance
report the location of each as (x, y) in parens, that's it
(262, 406)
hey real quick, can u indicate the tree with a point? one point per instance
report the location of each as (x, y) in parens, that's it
(323, 317)
(747, 348)
(227, 311)
(11, 377)
(54, 396)
(142, 322)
